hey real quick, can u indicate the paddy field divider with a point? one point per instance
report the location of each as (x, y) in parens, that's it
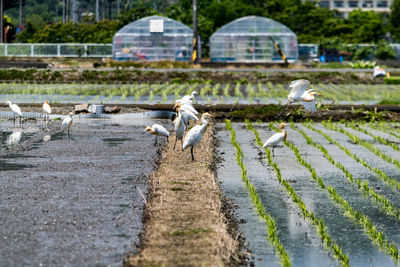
(369, 227)
(269, 220)
(329, 243)
(361, 186)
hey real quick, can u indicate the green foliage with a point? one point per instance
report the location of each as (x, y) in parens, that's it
(394, 19)
(383, 51)
(362, 64)
(392, 80)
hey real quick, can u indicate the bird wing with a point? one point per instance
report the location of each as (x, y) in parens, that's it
(189, 115)
(274, 140)
(192, 137)
(189, 108)
(160, 130)
(309, 105)
(16, 109)
(298, 88)
(186, 100)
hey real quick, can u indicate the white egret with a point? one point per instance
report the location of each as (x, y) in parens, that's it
(179, 127)
(188, 99)
(187, 114)
(16, 110)
(194, 135)
(157, 130)
(67, 123)
(186, 106)
(14, 138)
(275, 139)
(46, 109)
(298, 94)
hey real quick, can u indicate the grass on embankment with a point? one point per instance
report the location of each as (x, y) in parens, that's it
(186, 226)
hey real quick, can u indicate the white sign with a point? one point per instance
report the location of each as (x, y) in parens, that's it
(156, 25)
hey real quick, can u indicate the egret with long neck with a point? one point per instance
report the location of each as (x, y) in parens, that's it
(275, 139)
(194, 135)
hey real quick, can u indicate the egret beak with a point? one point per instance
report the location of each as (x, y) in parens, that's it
(212, 116)
(318, 93)
(177, 106)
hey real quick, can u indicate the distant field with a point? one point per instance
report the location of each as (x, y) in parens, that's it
(245, 93)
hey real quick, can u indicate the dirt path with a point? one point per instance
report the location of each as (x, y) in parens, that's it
(185, 221)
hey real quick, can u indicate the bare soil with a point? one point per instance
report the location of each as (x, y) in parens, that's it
(185, 219)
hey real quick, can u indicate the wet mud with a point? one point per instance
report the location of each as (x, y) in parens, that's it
(73, 201)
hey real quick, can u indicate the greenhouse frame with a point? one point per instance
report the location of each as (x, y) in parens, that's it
(153, 38)
(251, 39)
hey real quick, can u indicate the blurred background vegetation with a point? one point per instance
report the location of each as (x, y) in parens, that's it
(311, 23)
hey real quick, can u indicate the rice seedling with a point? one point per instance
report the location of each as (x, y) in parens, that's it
(269, 220)
(382, 126)
(360, 185)
(377, 138)
(370, 147)
(369, 227)
(391, 182)
(327, 240)
(238, 92)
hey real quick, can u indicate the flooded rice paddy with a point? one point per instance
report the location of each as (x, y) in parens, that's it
(79, 200)
(297, 233)
(73, 201)
(245, 93)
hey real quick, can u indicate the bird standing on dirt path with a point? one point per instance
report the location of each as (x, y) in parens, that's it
(186, 113)
(298, 94)
(157, 130)
(47, 109)
(194, 135)
(16, 110)
(67, 123)
(275, 139)
(179, 127)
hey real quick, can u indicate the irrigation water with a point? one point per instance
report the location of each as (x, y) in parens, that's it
(296, 233)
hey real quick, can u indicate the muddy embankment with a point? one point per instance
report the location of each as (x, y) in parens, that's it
(149, 76)
(186, 218)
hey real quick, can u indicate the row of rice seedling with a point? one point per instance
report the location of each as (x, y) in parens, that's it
(382, 126)
(269, 220)
(382, 175)
(370, 147)
(318, 223)
(380, 139)
(361, 186)
(369, 227)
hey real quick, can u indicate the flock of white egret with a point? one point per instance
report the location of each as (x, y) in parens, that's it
(185, 112)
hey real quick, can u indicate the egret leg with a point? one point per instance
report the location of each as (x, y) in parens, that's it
(167, 138)
(14, 119)
(68, 134)
(191, 151)
(176, 139)
(273, 151)
(182, 143)
(20, 120)
(155, 143)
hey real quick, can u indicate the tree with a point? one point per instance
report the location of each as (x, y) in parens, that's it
(394, 19)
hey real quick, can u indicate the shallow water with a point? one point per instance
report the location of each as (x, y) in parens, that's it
(75, 201)
(296, 234)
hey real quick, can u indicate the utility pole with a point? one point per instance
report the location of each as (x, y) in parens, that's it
(63, 11)
(97, 10)
(195, 54)
(20, 14)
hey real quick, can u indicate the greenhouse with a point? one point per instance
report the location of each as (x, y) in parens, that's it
(153, 38)
(251, 39)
